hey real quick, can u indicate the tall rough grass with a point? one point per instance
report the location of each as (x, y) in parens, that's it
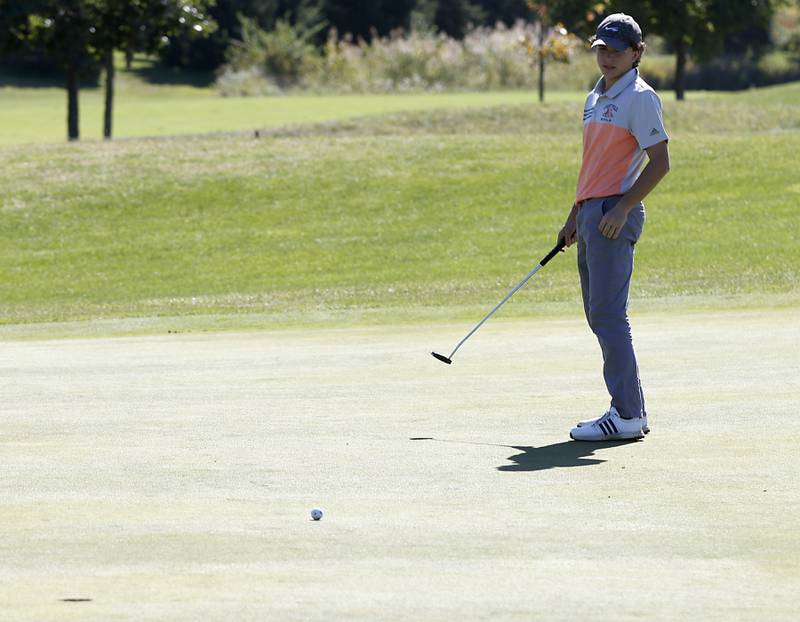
(485, 59)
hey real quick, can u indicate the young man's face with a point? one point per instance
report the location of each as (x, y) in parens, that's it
(613, 63)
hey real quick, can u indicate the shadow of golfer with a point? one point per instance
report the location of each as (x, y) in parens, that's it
(558, 455)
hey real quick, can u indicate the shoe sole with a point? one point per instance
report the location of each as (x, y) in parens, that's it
(613, 437)
(644, 430)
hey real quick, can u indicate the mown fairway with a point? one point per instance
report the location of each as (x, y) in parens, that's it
(39, 116)
(414, 216)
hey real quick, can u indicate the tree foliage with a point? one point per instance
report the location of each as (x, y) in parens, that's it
(696, 27)
(700, 28)
(363, 19)
(77, 33)
(552, 43)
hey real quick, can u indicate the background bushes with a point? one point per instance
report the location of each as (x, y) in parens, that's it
(286, 59)
(726, 73)
(484, 59)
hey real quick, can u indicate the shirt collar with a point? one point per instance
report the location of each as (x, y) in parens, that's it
(619, 86)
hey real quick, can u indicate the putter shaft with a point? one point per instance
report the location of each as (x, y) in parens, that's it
(556, 249)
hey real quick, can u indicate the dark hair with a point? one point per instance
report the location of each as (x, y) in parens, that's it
(639, 47)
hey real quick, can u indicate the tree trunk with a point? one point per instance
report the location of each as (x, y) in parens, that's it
(541, 77)
(680, 69)
(109, 94)
(541, 61)
(72, 103)
(128, 59)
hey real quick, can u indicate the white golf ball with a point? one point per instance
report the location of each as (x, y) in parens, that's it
(316, 513)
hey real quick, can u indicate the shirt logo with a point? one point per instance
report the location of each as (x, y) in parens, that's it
(654, 131)
(608, 112)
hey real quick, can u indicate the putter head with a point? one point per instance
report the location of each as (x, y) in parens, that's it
(442, 358)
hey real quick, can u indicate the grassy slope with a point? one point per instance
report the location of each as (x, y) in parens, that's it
(410, 216)
(38, 116)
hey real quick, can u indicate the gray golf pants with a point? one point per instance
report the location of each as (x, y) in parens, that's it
(605, 267)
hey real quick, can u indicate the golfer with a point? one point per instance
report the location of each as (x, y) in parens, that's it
(622, 122)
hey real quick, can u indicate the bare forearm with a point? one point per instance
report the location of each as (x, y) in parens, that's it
(652, 174)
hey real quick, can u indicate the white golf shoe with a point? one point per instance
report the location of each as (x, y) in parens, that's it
(609, 427)
(645, 428)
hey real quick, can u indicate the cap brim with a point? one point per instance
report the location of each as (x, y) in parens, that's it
(617, 44)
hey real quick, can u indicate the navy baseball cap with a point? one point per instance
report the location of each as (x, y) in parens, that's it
(618, 31)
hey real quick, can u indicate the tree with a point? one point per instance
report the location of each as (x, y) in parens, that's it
(702, 26)
(552, 43)
(696, 27)
(61, 28)
(362, 18)
(77, 33)
(578, 16)
(138, 26)
(209, 52)
(506, 11)
(456, 16)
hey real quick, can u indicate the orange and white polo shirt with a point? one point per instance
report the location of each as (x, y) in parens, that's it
(617, 128)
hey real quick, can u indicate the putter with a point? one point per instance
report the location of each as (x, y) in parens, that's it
(556, 249)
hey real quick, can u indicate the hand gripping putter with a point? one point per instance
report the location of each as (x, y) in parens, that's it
(556, 249)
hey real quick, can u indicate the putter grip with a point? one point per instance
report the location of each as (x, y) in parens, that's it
(556, 250)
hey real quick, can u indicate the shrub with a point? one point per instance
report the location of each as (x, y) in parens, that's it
(285, 54)
(246, 82)
(726, 73)
(487, 58)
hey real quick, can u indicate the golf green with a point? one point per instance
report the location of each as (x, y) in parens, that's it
(171, 477)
